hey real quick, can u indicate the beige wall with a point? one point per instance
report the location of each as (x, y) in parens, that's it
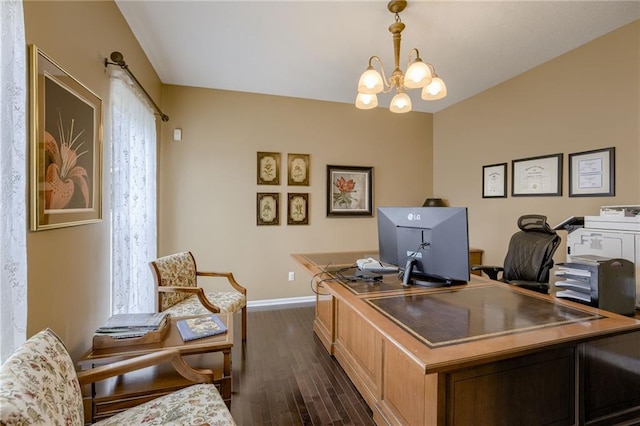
(68, 268)
(208, 180)
(586, 99)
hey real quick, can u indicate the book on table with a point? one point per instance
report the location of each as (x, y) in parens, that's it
(200, 327)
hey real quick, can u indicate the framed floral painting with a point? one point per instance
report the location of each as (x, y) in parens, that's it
(298, 169)
(268, 208)
(66, 147)
(349, 191)
(268, 168)
(298, 209)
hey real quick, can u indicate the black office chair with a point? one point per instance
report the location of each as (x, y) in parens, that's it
(530, 255)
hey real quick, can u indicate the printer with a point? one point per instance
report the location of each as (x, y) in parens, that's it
(615, 234)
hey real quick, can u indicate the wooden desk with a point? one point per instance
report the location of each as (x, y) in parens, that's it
(500, 355)
(108, 397)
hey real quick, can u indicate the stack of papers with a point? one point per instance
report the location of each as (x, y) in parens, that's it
(576, 285)
(122, 326)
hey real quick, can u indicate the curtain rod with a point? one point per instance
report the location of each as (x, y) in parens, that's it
(118, 60)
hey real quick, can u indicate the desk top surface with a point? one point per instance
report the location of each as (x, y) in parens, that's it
(463, 314)
(456, 326)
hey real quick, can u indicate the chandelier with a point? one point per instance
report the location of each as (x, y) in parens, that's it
(420, 75)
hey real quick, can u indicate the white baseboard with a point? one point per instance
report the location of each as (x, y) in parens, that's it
(285, 301)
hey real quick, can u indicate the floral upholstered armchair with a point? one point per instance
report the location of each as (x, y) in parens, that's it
(179, 295)
(39, 386)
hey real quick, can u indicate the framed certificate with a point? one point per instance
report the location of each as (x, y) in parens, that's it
(592, 173)
(537, 176)
(494, 181)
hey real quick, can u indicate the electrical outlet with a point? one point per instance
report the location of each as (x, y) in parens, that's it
(292, 276)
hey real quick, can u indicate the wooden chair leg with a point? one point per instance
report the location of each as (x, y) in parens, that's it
(244, 324)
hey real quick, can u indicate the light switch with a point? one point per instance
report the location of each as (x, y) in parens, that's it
(177, 135)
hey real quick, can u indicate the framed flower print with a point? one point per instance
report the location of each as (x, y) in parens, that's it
(268, 168)
(66, 147)
(298, 169)
(268, 208)
(349, 191)
(298, 209)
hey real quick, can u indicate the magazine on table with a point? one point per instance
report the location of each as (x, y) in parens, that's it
(119, 324)
(200, 327)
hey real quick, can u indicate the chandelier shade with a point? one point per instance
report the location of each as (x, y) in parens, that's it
(400, 103)
(370, 82)
(419, 74)
(366, 101)
(435, 90)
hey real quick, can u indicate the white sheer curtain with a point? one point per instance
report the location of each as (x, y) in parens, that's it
(133, 198)
(13, 173)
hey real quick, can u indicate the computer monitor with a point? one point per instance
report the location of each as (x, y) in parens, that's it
(431, 244)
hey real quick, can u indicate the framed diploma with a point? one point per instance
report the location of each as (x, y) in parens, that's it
(592, 173)
(537, 176)
(494, 181)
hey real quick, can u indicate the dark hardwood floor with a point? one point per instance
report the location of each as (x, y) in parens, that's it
(286, 377)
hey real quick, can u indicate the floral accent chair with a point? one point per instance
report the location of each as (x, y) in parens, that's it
(179, 295)
(39, 386)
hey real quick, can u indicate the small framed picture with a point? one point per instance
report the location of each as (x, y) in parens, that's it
(349, 191)
(494, 181)
(592, 173)
(268, 168)
(298, 169)
(537, 176)
(298, 209)
(268, 208)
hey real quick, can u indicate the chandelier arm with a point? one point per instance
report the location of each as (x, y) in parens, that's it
(433, 69)
(410, 54)
(385, 82)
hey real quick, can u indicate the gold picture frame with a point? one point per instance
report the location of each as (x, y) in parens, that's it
(297, 209)
(268, 208)
(298, 169)
(66, 147)
(268, 168)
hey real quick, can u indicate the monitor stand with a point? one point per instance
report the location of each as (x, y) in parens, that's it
(408, 280)
(408, 270)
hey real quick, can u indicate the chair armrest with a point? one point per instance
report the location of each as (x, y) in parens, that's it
(155, 358)
(228, 276)
(194, 290)
(491, 271)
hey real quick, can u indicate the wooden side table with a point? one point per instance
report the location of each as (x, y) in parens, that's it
(108, 397)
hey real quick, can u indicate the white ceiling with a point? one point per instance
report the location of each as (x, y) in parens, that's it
(318, 49)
